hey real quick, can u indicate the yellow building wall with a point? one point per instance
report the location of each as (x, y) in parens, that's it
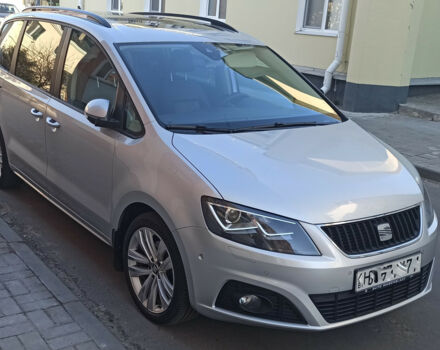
(427, 57)
(384, 40)
(69, 3)
(275, 25)
(133, 5)
(187, 7)
(95, 5)
(103, 5)
(178, 6)
(272, 22)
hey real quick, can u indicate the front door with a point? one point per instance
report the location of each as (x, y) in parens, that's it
(80, 155)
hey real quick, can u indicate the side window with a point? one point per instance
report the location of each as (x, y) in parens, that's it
(10, 35)
(132, 120)
(37, 54)
(87, 73)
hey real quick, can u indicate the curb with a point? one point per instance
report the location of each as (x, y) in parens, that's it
(428, 173)
(84, 318)
(416, 111)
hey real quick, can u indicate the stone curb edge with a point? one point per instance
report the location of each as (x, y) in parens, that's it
(429, 173)
(95, 329)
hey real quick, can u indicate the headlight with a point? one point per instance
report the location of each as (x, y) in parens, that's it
(256, 229)
(429, 210)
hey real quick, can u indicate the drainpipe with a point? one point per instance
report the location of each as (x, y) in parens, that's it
(340, 44)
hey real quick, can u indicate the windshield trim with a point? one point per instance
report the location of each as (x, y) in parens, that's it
(164, 125)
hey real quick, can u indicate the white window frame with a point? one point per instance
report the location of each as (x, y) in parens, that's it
(120, 7)
(300, 29)
(204, 7)
(148, 6)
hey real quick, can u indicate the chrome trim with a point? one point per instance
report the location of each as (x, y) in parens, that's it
(371, 217)
(75, 217)
(433, 228)
(382, 251)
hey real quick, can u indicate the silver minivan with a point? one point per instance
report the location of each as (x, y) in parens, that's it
(224, 181)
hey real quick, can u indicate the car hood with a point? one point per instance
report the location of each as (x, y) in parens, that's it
(320, 174)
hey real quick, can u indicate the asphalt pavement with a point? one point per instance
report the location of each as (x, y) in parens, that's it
(84, 264)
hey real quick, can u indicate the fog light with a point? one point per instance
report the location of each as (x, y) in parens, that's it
(254, 304)
(250, 303)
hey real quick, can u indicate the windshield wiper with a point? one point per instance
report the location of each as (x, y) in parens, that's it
(201, 129)
(279, 125)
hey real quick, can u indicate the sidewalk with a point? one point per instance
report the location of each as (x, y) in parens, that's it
(417, 139)
(37, 311)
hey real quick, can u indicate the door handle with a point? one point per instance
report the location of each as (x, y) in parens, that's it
(37, 114)
(52, 123)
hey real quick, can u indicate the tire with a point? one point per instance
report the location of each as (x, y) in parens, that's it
(155, 276)
(7, 178)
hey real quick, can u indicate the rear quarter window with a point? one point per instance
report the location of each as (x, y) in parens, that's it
(9, 38)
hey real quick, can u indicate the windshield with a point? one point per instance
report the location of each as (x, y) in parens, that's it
(8, 8)
(224, 87)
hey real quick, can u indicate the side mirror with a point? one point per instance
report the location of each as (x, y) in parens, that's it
(97, 112)
(97, 109)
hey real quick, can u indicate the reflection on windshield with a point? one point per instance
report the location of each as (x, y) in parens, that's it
(227, 86)
(303, 99)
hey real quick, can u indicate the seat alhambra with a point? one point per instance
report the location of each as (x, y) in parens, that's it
(224, 181)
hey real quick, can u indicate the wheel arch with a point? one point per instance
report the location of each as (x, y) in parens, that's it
(129, 208)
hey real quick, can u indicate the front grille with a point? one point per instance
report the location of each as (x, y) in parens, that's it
(337, 307)
(362, 237)
(281, 308)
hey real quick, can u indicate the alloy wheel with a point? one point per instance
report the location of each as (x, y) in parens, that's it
(150, 270)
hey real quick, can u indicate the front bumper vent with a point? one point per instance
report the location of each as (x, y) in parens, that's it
(337, 307)
(277, 308)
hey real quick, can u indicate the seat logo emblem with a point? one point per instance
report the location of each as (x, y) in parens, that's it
(385, 232)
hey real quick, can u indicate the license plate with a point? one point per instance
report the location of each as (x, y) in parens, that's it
(386, 274)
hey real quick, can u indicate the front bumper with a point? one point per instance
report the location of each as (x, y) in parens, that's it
(213, 261)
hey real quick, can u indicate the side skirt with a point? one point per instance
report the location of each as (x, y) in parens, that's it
(64, 209)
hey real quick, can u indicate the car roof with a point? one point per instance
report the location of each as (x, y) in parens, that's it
(131, 28)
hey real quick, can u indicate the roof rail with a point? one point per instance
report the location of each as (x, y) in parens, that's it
(214, 22)
(71, 12)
